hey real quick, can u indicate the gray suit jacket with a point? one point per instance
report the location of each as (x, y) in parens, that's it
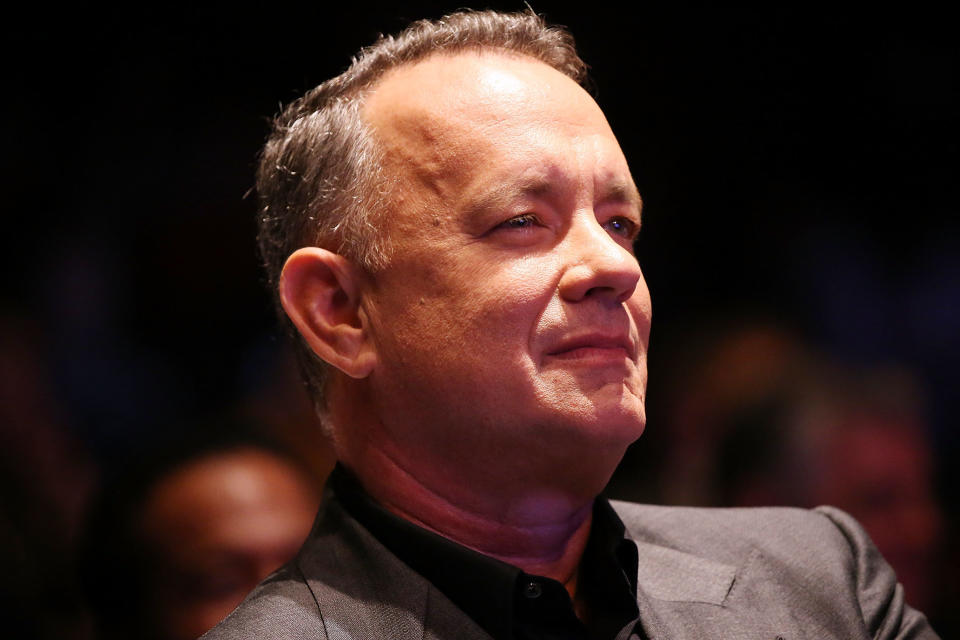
(703, 573)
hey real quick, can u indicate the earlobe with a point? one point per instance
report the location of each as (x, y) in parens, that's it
(320, 292)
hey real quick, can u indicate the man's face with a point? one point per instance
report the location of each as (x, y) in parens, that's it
(513, 313)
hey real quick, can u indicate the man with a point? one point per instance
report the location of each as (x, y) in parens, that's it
(449, 225)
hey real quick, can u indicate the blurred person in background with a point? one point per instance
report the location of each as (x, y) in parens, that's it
(46, 478)
(762, 419)
(176, 541)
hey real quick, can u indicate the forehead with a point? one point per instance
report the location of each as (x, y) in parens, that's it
(475, 89)
(451, 122)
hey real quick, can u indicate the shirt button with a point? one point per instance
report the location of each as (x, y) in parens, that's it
(532, 590)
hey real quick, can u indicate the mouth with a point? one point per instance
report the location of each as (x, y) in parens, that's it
(594, 347)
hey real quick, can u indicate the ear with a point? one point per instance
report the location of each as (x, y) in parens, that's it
(320, 291)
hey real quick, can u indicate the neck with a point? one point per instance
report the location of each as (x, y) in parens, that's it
(529, 503)
(541, 531)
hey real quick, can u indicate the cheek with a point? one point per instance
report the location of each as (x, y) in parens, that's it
(469, 311)
(500, 304)
(641, 310)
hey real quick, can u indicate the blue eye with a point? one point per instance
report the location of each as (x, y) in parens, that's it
(622, 226)
(524, 221)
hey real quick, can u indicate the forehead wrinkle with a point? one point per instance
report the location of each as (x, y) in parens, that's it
(542, 183)
(419, 151)
(619, 191)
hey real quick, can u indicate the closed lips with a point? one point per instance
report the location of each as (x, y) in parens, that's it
(585, 344)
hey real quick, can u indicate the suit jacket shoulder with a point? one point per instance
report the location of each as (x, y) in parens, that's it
(765, 572)
(345, 585)
(282, 607)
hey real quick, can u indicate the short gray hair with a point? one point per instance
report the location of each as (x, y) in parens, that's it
(320, 180)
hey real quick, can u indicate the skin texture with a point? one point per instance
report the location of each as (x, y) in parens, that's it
(495, 371)
(215, 529)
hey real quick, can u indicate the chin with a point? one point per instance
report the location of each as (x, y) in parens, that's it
(624, 427)
(615, 404)
(616, 426)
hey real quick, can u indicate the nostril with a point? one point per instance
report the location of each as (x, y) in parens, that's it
(600, 279)
(614, 294)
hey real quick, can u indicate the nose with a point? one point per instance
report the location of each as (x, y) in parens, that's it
(598, 265)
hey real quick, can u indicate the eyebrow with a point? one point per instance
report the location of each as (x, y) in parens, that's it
(621, 192)
(543, 184)
(535, 186)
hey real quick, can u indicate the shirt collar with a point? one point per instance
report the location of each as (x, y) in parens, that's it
(481, 586)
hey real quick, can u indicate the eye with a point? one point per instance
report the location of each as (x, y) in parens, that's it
(524, 221)
(624, 227)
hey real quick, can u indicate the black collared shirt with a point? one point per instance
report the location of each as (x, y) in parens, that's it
(506, 602)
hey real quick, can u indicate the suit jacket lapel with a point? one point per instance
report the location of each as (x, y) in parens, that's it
(674, 576)
(445, 620)
(681, 595)
(364, 592)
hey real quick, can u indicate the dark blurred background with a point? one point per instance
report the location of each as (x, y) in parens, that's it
(799, 169)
